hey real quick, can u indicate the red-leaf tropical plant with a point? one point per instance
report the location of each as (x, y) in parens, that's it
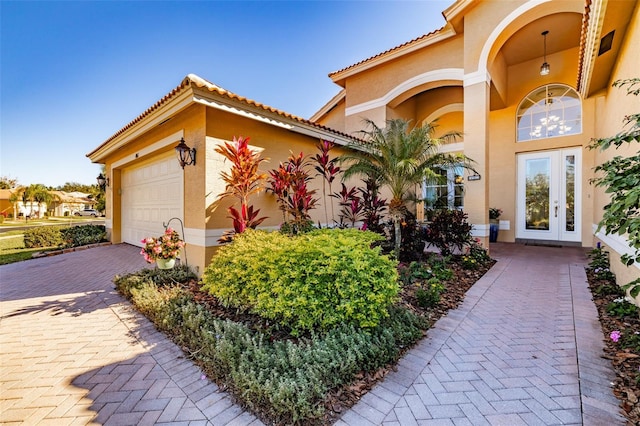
(289, 184)
(243, 180)
(327, 169)
(372, 206)
(350, 206)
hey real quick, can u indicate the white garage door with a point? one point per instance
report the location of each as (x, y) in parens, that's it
(151, 195)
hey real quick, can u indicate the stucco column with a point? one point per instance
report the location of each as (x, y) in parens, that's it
(476, 147)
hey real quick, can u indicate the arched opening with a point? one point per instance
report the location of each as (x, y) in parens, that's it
(549, 111)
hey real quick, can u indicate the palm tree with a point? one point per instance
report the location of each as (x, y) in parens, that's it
(399, 157)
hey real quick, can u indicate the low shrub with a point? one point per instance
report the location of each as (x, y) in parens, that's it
(621, 307)
(428, 294)
(75, 236)
(43, 236)
(449, 230)
(159, 277)
(60, 236)
(284, 380)
(313, 281)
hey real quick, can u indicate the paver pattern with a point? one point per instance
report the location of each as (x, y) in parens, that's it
(72, 351)
(523, 349)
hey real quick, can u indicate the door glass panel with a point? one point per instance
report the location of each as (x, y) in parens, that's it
(570, 176)
(537, 194)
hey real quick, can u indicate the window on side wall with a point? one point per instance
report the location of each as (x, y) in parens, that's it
(446, 190)
(550, 111)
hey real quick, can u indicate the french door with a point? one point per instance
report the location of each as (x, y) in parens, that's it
(549, 195)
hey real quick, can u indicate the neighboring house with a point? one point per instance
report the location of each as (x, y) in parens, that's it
(6, 207)
(481, 75)
(69, 203)
(147, 187)
(64, 203)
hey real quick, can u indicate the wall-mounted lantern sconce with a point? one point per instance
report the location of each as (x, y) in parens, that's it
(186, 155)
(103, 181)
(545, 68)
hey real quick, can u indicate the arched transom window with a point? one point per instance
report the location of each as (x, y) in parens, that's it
(549, 111)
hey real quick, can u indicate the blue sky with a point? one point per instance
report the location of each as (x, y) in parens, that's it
(72, 73)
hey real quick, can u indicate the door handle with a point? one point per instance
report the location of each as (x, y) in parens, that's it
(556, 211)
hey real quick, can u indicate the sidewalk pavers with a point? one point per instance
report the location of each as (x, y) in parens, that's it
(524, 348)
(72, 351)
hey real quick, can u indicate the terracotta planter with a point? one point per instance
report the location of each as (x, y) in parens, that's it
(165, 263)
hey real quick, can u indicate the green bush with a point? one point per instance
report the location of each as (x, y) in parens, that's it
(621, 307)
(449, 230)
(428, 294)
(283, 380)
(311, 281)
(57, 236)
(158, 277)
(75, 236)
(43, 236)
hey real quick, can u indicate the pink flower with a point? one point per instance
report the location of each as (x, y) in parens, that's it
(615, 335)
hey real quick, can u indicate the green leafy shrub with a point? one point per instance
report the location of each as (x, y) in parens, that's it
(75, 236)
(43, 236)
(449, 230)
(599, 265)
(428, 294)
(311, 281)
(57, 236)
(621, 307)
(159, 277)
(284, 380)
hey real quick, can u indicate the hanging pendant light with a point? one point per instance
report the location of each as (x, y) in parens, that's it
(545, 68)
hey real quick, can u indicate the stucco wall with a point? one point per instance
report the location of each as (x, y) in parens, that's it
(612, 106)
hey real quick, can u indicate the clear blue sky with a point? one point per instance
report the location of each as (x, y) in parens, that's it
(72, 73)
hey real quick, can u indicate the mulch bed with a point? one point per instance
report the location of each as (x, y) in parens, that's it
(626, 362)
(339, 400)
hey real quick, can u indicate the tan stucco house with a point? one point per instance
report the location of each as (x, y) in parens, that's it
(526, 125)
(480, 74)
(147, 187)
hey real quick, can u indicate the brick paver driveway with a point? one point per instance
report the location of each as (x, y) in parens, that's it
(523, 349)
(73, 352)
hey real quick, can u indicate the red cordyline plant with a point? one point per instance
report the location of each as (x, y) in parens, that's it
(289, 184)
(350, 206)
(326, 168)
(243, 180)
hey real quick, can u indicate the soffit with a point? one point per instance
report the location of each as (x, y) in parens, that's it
(194, 89)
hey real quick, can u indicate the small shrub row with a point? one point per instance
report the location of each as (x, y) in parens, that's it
(61, 236)
(284, 380)
(312, 281)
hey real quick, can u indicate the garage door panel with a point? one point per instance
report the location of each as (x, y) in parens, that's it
(151, 195)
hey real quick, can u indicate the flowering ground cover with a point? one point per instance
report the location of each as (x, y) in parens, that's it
(621, 333)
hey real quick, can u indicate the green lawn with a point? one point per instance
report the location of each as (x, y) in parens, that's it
(12, 248)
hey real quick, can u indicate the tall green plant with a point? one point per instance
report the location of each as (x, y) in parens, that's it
(620, 177)
(243, 180)
(399, 157)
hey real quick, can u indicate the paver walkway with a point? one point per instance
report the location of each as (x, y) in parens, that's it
(72, 351)
(524, 348)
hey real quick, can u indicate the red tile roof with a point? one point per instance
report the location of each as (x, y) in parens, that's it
(387, 52)
(194, 80)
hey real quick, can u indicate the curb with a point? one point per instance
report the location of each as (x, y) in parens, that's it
(68, 250)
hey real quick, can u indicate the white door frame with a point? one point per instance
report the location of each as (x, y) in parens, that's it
(560, 227)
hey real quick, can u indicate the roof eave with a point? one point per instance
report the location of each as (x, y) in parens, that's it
(329, 105)
(437, 36)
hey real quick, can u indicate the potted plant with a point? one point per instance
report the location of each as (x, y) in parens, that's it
(494, 224)
(163, 250)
